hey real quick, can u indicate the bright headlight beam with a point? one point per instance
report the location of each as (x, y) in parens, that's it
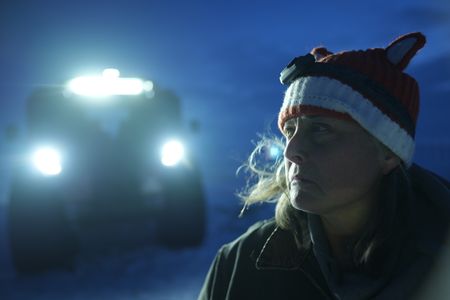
(47, 161)
(108, 85)
(172, 153)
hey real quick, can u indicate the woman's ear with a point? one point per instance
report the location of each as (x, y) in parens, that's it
(390, 162)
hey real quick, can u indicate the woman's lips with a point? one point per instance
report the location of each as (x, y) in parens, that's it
(300, 179)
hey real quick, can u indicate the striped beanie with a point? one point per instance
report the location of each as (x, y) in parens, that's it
(366, 86)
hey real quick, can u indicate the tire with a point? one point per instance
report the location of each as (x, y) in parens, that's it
(40, 235)
(182, 222)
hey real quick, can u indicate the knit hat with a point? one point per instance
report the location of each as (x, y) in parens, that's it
(367, 86)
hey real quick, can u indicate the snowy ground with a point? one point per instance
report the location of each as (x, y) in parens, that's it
(153, 272)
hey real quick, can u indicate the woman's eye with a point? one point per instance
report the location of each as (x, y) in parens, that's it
(320, 128)
(289, 132)
(314, 130)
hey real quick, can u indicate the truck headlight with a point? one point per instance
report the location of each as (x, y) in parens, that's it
(48, 161)
(172, 153)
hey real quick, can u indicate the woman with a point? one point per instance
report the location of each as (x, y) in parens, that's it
(355, 219)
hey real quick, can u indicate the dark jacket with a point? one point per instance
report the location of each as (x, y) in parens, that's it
(265, 263)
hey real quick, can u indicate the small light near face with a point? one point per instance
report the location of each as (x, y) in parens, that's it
(172, 153)
(47, 161)
(274, 152)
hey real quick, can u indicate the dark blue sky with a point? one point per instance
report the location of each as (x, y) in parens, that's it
(222, 58)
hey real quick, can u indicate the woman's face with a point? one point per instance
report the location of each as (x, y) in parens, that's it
(331, 164)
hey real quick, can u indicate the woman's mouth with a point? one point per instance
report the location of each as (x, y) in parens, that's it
(300, 179)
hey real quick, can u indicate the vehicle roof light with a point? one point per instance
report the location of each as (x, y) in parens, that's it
(108, 84)
(111, 73)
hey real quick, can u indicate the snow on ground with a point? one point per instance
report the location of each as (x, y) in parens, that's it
(153, 272)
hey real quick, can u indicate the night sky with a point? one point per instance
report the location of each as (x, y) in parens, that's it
(222, 58)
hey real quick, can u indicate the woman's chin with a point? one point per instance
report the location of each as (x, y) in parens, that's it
(305, 201)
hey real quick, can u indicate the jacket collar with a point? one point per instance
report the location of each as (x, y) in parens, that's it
(280, 252)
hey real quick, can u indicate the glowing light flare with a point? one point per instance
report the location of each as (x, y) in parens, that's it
(111, 73)
(274, 151)
(48, 161)
(172, 153)
(108, 84)
(148, 86)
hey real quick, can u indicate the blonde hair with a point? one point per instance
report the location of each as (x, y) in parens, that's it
(267, 183)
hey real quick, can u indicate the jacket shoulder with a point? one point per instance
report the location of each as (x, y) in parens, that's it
(253, 239)
(222, 273)
(432, 188)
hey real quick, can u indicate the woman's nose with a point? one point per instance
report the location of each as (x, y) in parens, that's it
(294, 150)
